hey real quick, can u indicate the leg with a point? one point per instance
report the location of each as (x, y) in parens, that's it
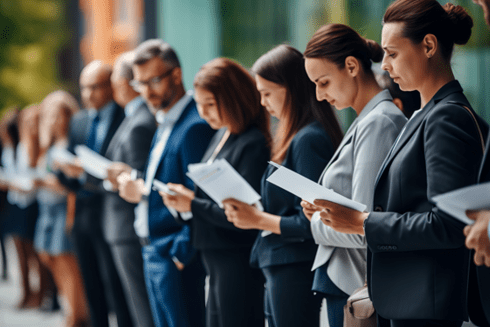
(4, 256)
(290, 301)
(24, 270)
(129, 264)
(335, 309)
(193, 279)
(425, 323)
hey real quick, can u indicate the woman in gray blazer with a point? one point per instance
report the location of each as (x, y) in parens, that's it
(338, 61)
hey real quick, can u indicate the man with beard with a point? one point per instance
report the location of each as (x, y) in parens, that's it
(174, 275)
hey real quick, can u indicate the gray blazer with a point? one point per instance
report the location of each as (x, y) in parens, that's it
(352, 173)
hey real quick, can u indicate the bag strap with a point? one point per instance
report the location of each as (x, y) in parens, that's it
(482, 140)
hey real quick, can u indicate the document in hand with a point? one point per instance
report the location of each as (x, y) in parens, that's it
(455, 203)
(62, 155)
(308, 190)
(93, 163)
(24, 183)
(221, 181)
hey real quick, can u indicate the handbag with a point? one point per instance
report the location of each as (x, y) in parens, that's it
(359, 310)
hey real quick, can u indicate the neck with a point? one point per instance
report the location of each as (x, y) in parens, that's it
(367, 89)
(129, 100)
(433, 83)
(179, 93)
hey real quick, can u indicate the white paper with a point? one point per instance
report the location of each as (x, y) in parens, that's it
(92, 162)
(221, 181)
(308, 190)
(455, 203)
(160, 186)
(22, 182)
(62, 155)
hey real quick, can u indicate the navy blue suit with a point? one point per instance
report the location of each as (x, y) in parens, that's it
(176, 297)
(286, 259)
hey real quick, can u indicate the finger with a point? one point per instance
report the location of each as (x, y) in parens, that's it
(479, 259)
(306, 204)
(487, 260)
(323, 203)
(233, 202)
(472, 214)
(466, 230)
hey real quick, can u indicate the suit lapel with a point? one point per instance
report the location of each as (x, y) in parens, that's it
(116, 121)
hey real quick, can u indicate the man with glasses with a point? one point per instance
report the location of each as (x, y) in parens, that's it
(173, 273)
(95, 127)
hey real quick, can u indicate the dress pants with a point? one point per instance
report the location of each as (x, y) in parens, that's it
(289, 300)
(236, 290)
(129, 264)
(176, 297)
(102, 283)
(382, 322)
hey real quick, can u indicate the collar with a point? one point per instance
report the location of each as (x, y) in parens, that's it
(104, 112)
(384, 95)
(132, 106)
(171, 116)
(451, 87)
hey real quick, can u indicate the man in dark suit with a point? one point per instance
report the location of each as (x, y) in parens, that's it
(128, 150)
(173, 273)
(95, 128)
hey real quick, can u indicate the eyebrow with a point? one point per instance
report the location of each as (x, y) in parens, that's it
(320, 77)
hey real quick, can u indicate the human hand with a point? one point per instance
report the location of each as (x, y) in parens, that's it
(181, 201)
(130, 190)
(477, 236)
(72, 169)
(242, 215)
(116, 169)
(180, 266)
(309, 209)
(340, 218)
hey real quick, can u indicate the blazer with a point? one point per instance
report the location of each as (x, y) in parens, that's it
(352, 172)
(131, 145)
(417, 261)
(90, 194)
(310, 150)
(248, 153)
(186, 144)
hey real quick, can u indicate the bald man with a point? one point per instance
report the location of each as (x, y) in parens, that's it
(95, 127)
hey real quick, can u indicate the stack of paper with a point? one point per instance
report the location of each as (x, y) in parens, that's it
(92, 162)
(455, 203)
(221, 181)
(308, 190)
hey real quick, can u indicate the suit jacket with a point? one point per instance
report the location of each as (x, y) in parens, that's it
(352, 172)
(186, 144)
(248, 153)
(310, 150)
(89, 194)
(417, 261)
(131, 145)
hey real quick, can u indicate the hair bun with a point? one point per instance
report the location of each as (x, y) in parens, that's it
(375, 51)
(461, 23)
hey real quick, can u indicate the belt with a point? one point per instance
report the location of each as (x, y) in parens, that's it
(144, 241)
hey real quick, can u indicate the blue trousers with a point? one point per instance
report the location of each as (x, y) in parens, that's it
(176, 297)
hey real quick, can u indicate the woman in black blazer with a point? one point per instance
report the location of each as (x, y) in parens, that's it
(307, 136)
(228, 100)
(417, 262)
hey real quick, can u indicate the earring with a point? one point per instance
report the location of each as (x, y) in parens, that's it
(429, 55)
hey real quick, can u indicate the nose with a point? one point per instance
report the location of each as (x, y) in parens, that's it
(320, 96)
(262, 101)
(384, 64)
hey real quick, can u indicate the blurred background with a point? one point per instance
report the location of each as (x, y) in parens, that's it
(45, 43)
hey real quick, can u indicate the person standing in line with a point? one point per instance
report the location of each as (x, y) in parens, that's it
(417, 261)
(174, 275)
(227, 99)
(307, 137)
(94, 128)
(50, 239)
(338, 60)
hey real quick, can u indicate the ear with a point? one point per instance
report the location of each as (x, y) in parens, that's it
(430, 45)
(177, 75)
(352, 65)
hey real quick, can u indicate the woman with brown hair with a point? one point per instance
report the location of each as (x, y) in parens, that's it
(338, 60)
(307, 136)
(418, 264)
(50, 239)
(228, 100)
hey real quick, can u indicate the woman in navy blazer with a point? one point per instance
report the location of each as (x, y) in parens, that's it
(307, 136)
(417, 261)
(228, 100)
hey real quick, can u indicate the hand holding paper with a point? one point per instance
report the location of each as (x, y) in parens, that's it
(176, 196)
(92, 162)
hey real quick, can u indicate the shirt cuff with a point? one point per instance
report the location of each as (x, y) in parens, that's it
(186, 215)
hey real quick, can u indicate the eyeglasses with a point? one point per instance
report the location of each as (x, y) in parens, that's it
(138, 86)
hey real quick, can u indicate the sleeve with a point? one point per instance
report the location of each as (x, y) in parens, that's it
(182, 246)
(250, 164)
(452, 152)
(137, 151)
(310, 154)
(374, 139)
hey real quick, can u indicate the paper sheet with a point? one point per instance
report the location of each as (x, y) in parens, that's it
(221, 181)
(92, 162)
(62, 155)
(455, 203)
(307, 189)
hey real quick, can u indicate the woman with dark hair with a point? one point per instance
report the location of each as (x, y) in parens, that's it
(338, 60)
(228, 100)
(418, 264)
(307, 136)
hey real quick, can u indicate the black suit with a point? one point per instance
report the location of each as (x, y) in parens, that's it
(235, 289)
(417, 261)
(131, 145)
(102, 283)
